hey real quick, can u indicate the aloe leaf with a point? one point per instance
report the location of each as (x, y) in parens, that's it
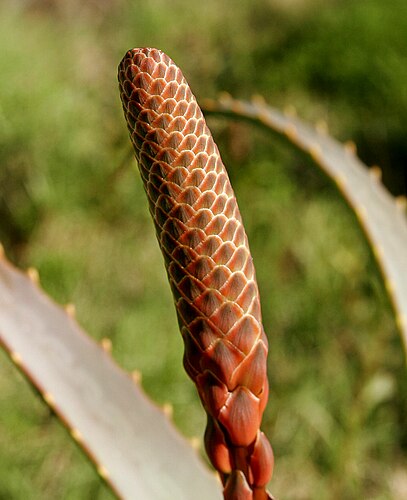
(381, 216)
(134, 446)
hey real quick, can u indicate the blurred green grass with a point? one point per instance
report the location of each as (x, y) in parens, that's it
(71, 204)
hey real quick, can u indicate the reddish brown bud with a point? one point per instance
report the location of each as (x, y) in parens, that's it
(213, 393)
(251, 372)
(241, 416)
(216, 447)
(261, 461)
(208, 261)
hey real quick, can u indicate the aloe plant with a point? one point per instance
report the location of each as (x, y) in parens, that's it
(132, 443)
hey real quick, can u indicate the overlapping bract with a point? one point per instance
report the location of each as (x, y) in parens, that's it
(209, 265)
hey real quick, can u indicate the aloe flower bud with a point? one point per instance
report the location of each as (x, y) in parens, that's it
(210, 269)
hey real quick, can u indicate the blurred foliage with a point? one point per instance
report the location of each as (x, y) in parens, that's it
(71, 205)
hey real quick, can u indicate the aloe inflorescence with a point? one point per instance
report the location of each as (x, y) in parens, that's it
(209, 266)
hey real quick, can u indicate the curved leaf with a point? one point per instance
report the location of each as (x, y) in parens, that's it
(381, 217)
(134, 446)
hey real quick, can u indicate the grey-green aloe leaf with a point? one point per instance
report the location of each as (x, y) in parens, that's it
(135, 447)
(382, 217)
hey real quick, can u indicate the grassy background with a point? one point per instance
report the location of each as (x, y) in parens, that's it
(71, 204)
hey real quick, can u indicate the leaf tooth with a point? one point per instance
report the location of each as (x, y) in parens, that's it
(70, 309)
(76, 435)
(378, 252)
(316, 152)
(401, 320)
(401, 202)
(49, 399)
(102, 471)
(350, 147)
(291, 132)
(225, 98)
(263, 116)
(321, 127)
(195, 443)
(106, 345)
(209, 104)
(258, 100)
(237, 106)
(390, 286)
(137, 376)
(290, 111)
(33, 275)
(361, 212)
(375, 173)
(16, 358)
(168, 410)
(340, 181)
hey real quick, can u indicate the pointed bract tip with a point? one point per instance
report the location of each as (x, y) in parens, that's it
(270, 496)
(237, 488)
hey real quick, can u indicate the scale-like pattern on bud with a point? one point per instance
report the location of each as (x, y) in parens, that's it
(208, 262)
